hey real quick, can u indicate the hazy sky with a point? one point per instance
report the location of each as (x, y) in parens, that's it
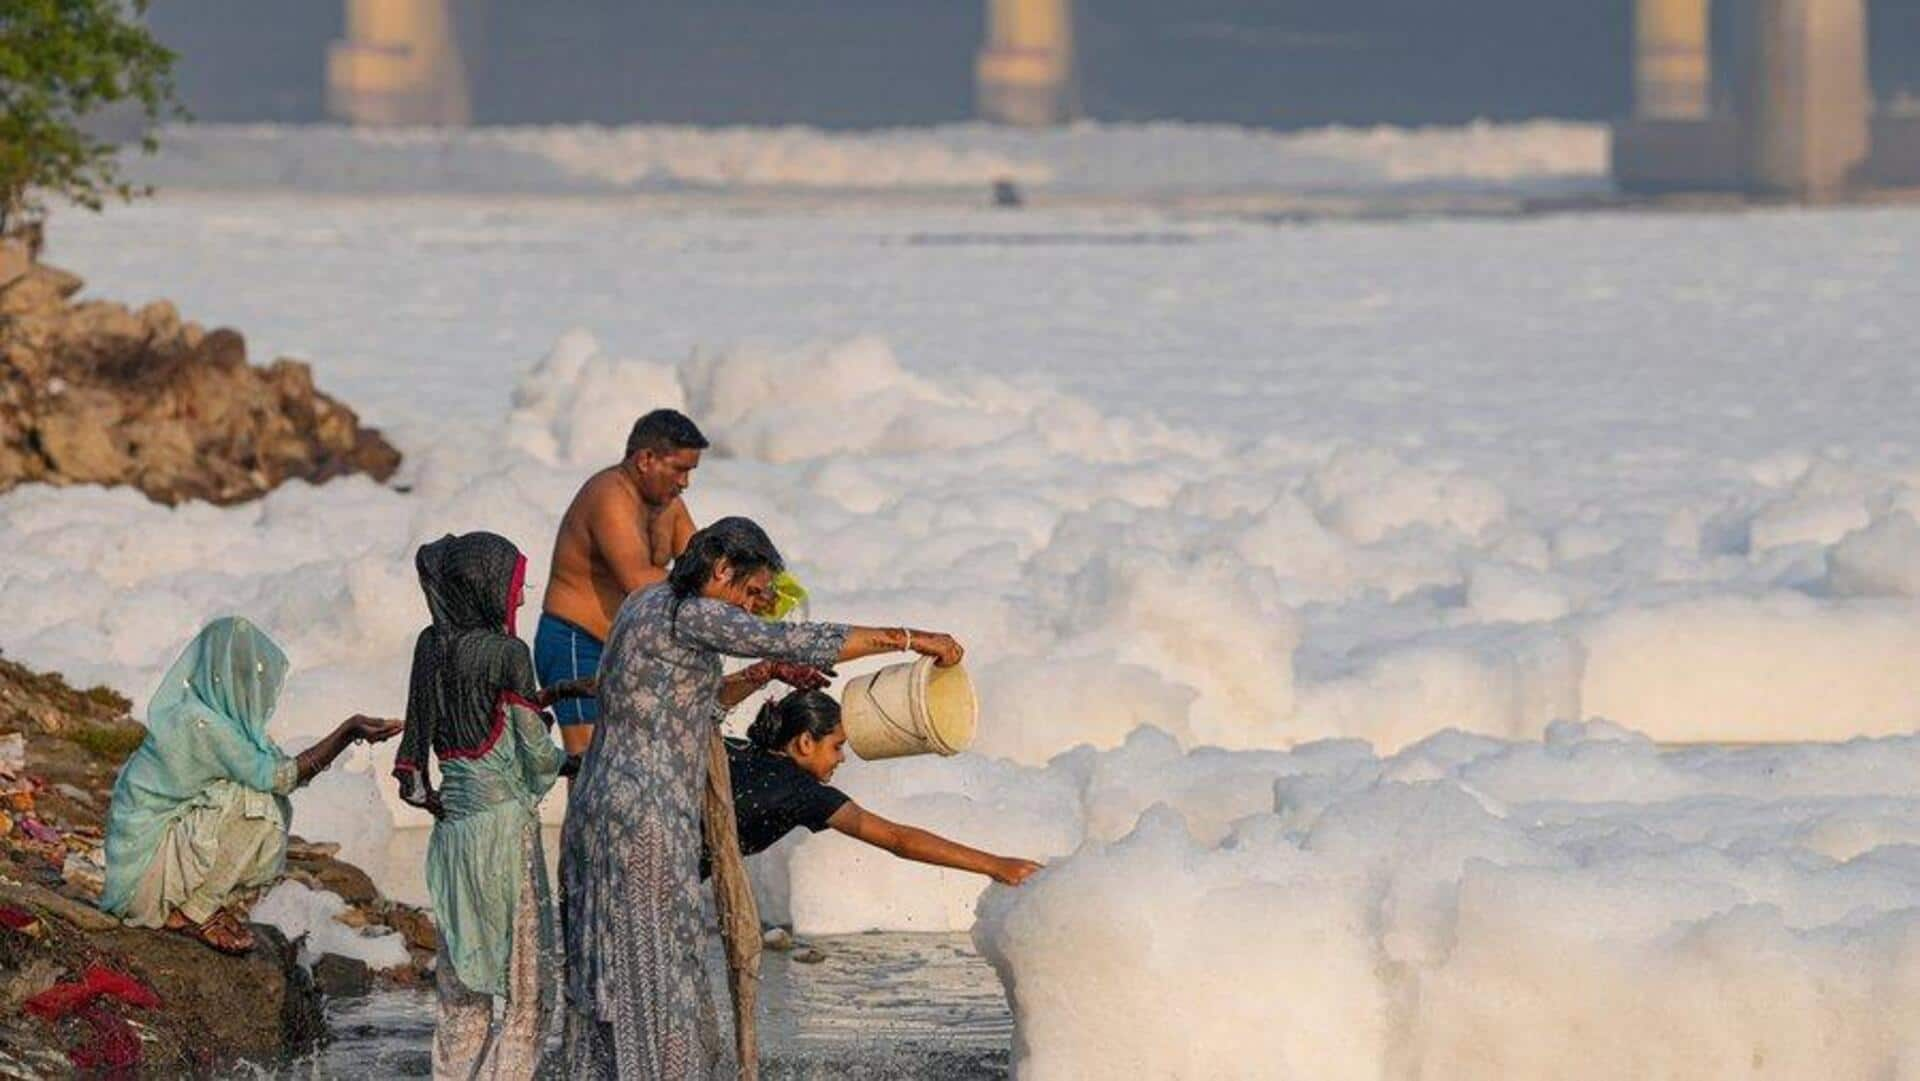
(859, 63)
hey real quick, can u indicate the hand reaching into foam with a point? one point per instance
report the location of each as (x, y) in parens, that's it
(1012, 872)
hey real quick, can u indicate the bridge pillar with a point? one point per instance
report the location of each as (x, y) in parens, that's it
(1024, 73)
(1804, 101)
(1672, 64)
(400, 64)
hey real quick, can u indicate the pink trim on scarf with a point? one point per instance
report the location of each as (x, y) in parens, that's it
(513, 590)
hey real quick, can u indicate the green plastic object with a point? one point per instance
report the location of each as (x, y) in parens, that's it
(788, 595)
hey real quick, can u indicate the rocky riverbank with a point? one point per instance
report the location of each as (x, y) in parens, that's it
(93, 392)
(81, 992)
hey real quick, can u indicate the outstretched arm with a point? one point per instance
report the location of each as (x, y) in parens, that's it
(724, 628)
(354, 729)
(913, 843)
(547, 696)
(867, 641)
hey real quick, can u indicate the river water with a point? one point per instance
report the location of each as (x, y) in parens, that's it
(872, 1006)
(875, 1006)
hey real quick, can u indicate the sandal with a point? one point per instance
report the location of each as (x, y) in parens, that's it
(219, 932)
(236, 926)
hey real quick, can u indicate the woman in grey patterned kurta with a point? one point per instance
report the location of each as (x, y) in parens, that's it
(639, 1002)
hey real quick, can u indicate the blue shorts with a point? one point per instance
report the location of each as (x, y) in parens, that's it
(564, 651)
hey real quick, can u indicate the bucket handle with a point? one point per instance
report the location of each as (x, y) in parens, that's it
(888, 717)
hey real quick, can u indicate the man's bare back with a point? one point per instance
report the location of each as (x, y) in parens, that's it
(611, 543)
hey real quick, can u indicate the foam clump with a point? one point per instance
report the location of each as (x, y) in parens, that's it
(299, 910)
(1587, 906)
(1881, 559)
(577, 401)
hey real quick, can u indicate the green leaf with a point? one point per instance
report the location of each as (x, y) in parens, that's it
(61, 62)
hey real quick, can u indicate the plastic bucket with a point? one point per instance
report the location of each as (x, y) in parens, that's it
(910, 708)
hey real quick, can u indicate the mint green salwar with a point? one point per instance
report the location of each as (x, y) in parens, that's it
(476, 858)
(229, 839)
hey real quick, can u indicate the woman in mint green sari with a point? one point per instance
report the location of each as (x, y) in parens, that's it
(472, 703)
(200, 810)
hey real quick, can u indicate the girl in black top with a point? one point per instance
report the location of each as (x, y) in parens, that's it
(780, 775)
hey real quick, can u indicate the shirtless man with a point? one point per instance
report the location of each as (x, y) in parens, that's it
(622, 529)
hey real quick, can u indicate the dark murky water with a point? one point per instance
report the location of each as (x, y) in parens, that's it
(877, 1006)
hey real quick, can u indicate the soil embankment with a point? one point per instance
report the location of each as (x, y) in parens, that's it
(65, 1002)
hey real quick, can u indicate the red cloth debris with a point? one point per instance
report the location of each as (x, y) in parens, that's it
(65, 998)
(112, 1044)
(45, 834)
(60, 1000)
(15, 919)
(123, 987)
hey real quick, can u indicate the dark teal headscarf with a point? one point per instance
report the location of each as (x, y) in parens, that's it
(206, 723)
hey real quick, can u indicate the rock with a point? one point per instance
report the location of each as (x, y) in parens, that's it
(352, 884)
(260, 1006)
(96, 393)
(416, 975)
(342, 977)
(808, 955)
(778, 939)
(415, 926)
(41, 289)
(30, 895)
(160, 319)
(15, 260)
(84, 875)
(78, 442)
(299, 848)
(64, 282)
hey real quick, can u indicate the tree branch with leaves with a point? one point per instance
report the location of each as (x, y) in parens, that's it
(62, 62)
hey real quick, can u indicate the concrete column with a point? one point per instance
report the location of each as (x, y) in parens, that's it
(399, 65)
(1805, 104)
(1672, 66)
(1024, 73)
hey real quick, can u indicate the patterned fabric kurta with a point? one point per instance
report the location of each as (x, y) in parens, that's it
(639, 1003)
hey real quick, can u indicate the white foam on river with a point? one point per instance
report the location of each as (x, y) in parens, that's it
(1251, 487)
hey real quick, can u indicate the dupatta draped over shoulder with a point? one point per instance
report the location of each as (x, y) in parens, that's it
(207, 723)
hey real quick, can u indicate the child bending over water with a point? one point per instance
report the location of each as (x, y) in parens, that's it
(780, 775)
